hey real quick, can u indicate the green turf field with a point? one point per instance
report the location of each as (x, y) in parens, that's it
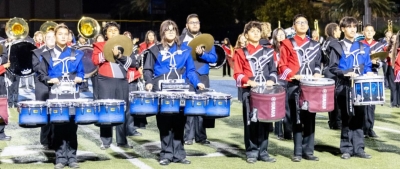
(226, 150)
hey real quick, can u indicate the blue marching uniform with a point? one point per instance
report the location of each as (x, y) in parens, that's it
(65, 142)
(159, 63)
(352, 136)
(195, 125)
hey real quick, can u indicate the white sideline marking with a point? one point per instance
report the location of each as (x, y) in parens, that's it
(387, 129)
(136, 162)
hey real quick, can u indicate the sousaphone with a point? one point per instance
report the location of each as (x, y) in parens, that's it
(47, 26)
(206, 41)
(120, 40)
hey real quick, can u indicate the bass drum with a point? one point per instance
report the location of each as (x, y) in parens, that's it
(88, 65)
(221, 57)
(21, 57)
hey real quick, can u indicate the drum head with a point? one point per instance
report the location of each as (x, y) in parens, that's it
(144, 94)
(110, 102)
(268, 89)
(90, 68)
(21, 58)
(317, 82)
(217, 95)
(32, 104)
(221, 57)
(195, 96)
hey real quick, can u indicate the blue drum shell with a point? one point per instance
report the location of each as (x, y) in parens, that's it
(169, 106)
(33, 117)
(111, 115)
(144, 106)
(86, 115)
(218, 108)
(195, 107)
(59, 115)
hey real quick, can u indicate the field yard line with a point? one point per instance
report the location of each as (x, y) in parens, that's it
(387, 129)
(136, 162)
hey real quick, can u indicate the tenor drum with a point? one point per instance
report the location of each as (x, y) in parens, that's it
(143, 103)
(90, 68)
(111, 112)
(221, 57)
(317, 95)
(32, 114)
(268, 103)
(218, 105)
(369, 90)
(59, 110)
(195, 104)
(169, 103)
(85, 112)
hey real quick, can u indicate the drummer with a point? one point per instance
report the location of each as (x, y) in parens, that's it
(343, 66)
(3, 115)
(293, 70)
(161, 60)
(51, 70)
(255, 133)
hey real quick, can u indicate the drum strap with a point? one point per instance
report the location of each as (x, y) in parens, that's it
(304, 57)
(253, 65)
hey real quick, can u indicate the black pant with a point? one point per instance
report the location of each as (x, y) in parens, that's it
(225, 68)
(335, 119)
(369, 120)
(95, 86)
(113, 88)
(240, 92)
(13, 90)
(2, 134)
(171, 136)
(256, 133)
(284, 127)
(394, 87)
(303, 123)
(42, 94)
(65, 142)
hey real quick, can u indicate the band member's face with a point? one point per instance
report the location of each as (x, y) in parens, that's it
(100, 39)
(50, 39)
(242, 40)
(337, 33)
(151, 37)
(39, 38)
(129, 36)
(62, 36)
(280, 36)
(193, 25)
(314, 34)
(253, 35)
(170, 33)
(69, 37)
(301, 25)
(82, 40)
(112, 31)
(350, 31)
(369, 32)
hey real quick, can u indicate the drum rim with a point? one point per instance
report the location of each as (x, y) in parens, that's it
(195, 97)
(325, 82)
(368, 77)
(34, 103)
(218, 94)
(145, 93)
(110, 102)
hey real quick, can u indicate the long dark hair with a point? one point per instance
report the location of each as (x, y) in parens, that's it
(228, 42)
(146, 39)
(395, 46)
(275, 44)
(164, 27)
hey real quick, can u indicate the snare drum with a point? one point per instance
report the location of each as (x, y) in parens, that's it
(218, 105)
(317, 95)
(169, 103)
(369, 90)
(85, 112)
(59, 111)
(111, 112)
(268, 103)
(195, 104)
(143, 103)
(32, 114)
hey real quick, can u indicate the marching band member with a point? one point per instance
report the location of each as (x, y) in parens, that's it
(241, 42)
(41, 89)
(374, 46)
(394, 87)
(163, 59)
(228, 50)
(265, 34)
(195, 125)
(255, 133)
(3, 115)
(71, 39)
(352, 60)
(38, 38)
(291, 67)
(149, 40)
(51, 69)
(395, 53)
(332, 32)
(112, 83)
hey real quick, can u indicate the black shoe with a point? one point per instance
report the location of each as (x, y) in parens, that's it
(103, 147)
(6, 138)
(296, 159)
(184, 161)
(280, 138)
(311, 158)
(345, 156)
(124, 146)
(136, 133)
(188, 142)
(372, 134)
(251, 160)
(73, 165)
(59, 166)
(267, 159)
(164, 162)
(45, 147)
(364, 155)
(204, 142)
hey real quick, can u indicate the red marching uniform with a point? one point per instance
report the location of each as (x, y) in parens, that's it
(143, 46)
(397, 66)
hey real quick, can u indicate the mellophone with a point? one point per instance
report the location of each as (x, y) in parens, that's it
(105, 112)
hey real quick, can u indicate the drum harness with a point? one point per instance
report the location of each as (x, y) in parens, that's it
(259, 64)
(66, 85)
(172, 67)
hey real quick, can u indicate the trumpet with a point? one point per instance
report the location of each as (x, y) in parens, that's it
(47, 26)
(88, 27)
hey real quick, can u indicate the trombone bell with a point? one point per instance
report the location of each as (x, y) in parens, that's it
(88, 27)
(17, 28)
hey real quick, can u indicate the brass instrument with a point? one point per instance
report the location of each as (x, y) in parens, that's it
(316, 27)
(88, 27)
(279, 24)
(17, 28)
(47, 26)
(390, 26)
